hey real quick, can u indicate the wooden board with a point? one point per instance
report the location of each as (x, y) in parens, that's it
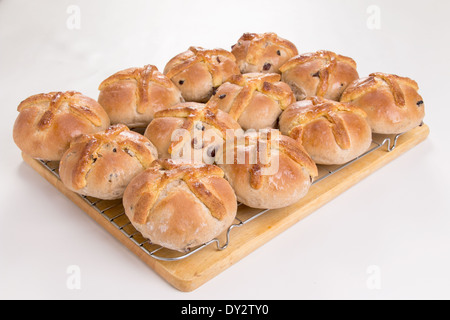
(193, 271)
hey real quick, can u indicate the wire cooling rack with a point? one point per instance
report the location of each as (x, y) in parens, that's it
(114, 212)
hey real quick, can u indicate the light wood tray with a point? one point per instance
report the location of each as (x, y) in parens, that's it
(191, 272)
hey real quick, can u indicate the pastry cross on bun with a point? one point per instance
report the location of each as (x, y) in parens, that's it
(264, 52)
(102, 164)
(330, 131)
(197, 72)
(48, 122)
(192, 131)
(322, 73)
(132, 96)
(267, 170)
(180, 205)
(392, 103)
(255, 100)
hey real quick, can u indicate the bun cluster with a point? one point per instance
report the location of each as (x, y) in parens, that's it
(181, 147)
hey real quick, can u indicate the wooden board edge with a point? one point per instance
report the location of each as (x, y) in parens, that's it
(381, 158)
(102, 221)
(190, 283)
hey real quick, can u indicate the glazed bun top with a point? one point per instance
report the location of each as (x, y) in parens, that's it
(132, 96)
(102, 164)
(48, 122)
(180, 205)
(198, 71)
(392, 103)
(331, 132)
(264, 52)
(255, 100)
(322, 74)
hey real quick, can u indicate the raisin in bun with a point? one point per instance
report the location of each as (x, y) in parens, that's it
(322, 73)
(132, 96)
(331, 132)
(197, 72)
(392, 103)
(265, 52)
(48, 122)
(179, 205)
(191, 131)
(101, 165)
(254, 100)
(267, 170)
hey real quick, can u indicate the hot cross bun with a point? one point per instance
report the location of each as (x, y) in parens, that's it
(192, 131)
(180, 205)
(197, 72)
(331, 132)
(266, 169)
(102, 164)
(322, 73)
(48, 122)
(265, 52)
(392, 103)
(132, 96)
(254, 100)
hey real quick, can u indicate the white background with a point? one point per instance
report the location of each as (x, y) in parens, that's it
(397, 219)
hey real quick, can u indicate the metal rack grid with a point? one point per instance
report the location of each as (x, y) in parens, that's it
(114, 212)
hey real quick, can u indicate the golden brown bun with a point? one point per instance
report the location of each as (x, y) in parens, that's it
(322, 74)
(331, 132)
(265, 52)
(132, 96)
(205, 128)
(277, 176)
(48, 122)
(180, 206)
(254, 100)
(101, 165)
(197, 72)
(392, 103)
